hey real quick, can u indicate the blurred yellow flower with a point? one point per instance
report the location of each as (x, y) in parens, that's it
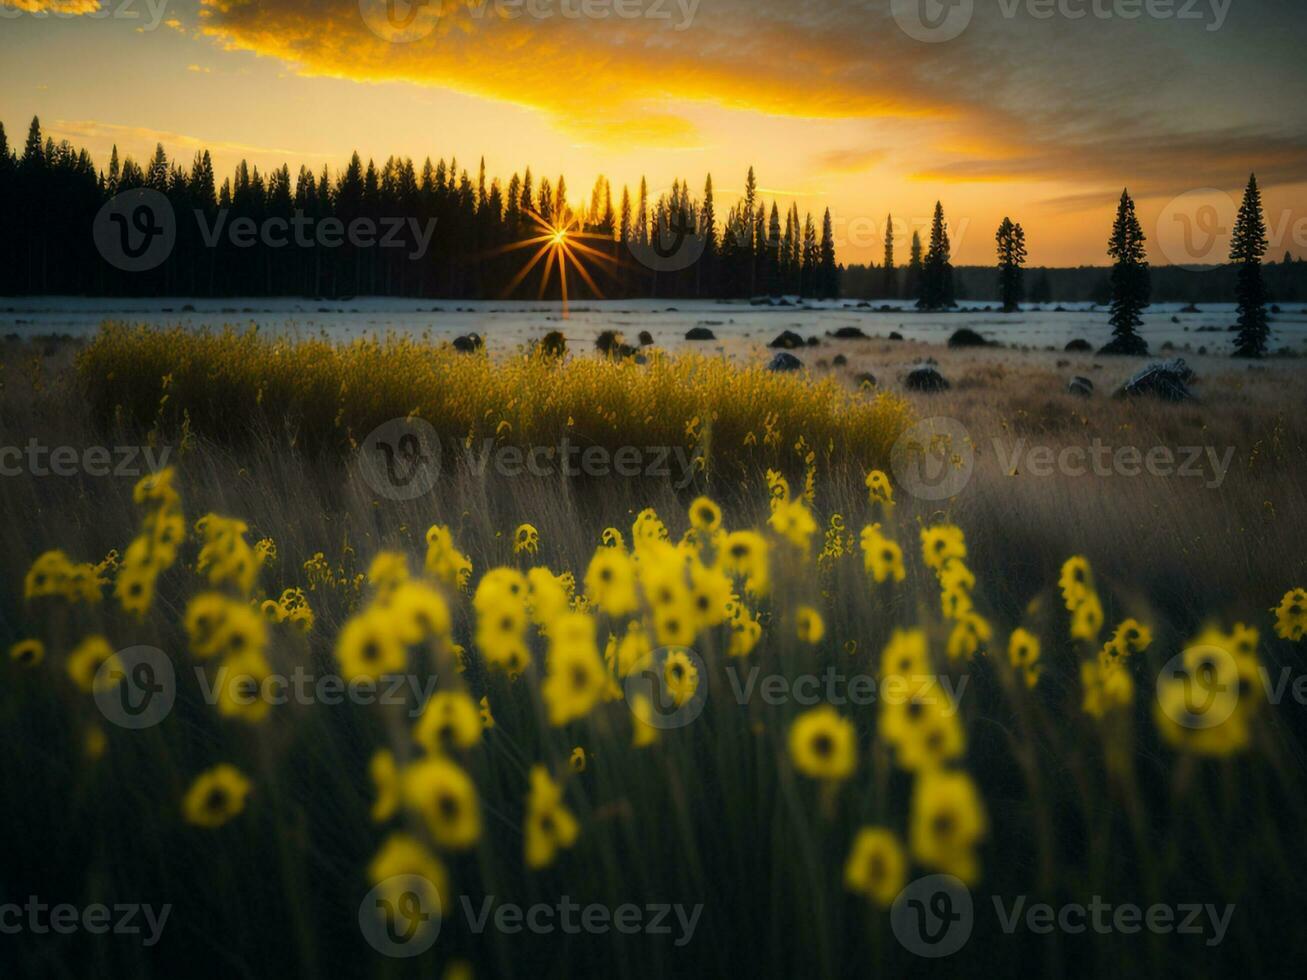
(947, 820)
(216, 796)
(549, 824)
(876, 866)
(444, 795)
(822, 744)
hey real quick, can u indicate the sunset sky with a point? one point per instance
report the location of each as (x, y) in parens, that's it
(1041, 118)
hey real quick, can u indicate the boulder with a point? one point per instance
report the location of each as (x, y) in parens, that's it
(849, 333)
(895, 335)
(1079, 344)
(469, 343)
(966, 337)
(607, 341)
(646, 338)
(553, 344)
(925, 378)
(1167, 380)
(813, 341)
(784, 362)
(700, 333)
(840, 360)
(1081, 386)
(786, 340)
(866, 379)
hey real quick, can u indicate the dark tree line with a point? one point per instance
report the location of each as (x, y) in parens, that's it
(674, 246)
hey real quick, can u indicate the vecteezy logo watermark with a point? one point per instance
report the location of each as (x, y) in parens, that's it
(1101, 460)
(400, 917)
(38, 459)
(117, 10)
(121, 919)
(400, 459)
(674, 687)
(136, 688)
(1199, 687)
(672, 246)
(836, 688)
(933, 916)
(135, 231)
(933, 21)
(405, 21)
(933, 459)
(1196, 229)
(572, 918)
(1184, 919)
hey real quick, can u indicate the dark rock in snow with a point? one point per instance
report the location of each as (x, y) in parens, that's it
(925, 378)
(700, 333)
(1081, 386)
(966, 337)
(469, 344)
(786, 340)
(784, 362)
(1168, 380)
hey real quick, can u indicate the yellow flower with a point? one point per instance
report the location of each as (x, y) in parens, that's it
(680, 677)
(610, 582)
(941, 543)
(134, 588)
(809, 625)
(674, 625)
(879, 490)
(242, 687)
(444, 561)
(216, 796)
(575, 680)
(85, 661)
(1022, 648)
(202, 620)
(549, 824)
(418, 613)
(1087, 618)
(631, 653)
(905, 655)
(792, 521)
(241, 631)
(744, 555)
(385, 779)
(970, 633)
(1107, 686)
(577, 760)
(84, 583)
(745, 634)
(1076, 582)
(947, 821)
(705, 515)
(882, 558)
(406, 864)
(450, 719)
(526, 538)
(487, 719)
(822, 744)
(446, 798)
(47, 576)
(500, 587)
(1291, 615)
(710, 595)
(368, 647)
(546, 596)
(156, 489)
(1206, 705)
(388, 570)
(29, 653)
(876, 866)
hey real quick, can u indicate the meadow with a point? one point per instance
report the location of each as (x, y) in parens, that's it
(769, 696)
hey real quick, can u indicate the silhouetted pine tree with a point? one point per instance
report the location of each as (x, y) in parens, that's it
(1011, 257)
(828, 277)
(1131, 284)
(889, 280)
(1246, 251)
(912, 281)
(936, 287)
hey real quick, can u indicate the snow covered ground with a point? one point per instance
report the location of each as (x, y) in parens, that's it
(506, 324)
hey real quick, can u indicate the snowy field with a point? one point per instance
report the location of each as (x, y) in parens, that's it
(506, 324)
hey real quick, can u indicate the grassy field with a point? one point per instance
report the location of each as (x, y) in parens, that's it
(784, 721)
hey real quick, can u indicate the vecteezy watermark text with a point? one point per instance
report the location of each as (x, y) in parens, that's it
(121, 919)
(115, 9)
(39, 459)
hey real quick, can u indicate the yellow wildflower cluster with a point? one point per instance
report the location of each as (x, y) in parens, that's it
(1206, 701)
